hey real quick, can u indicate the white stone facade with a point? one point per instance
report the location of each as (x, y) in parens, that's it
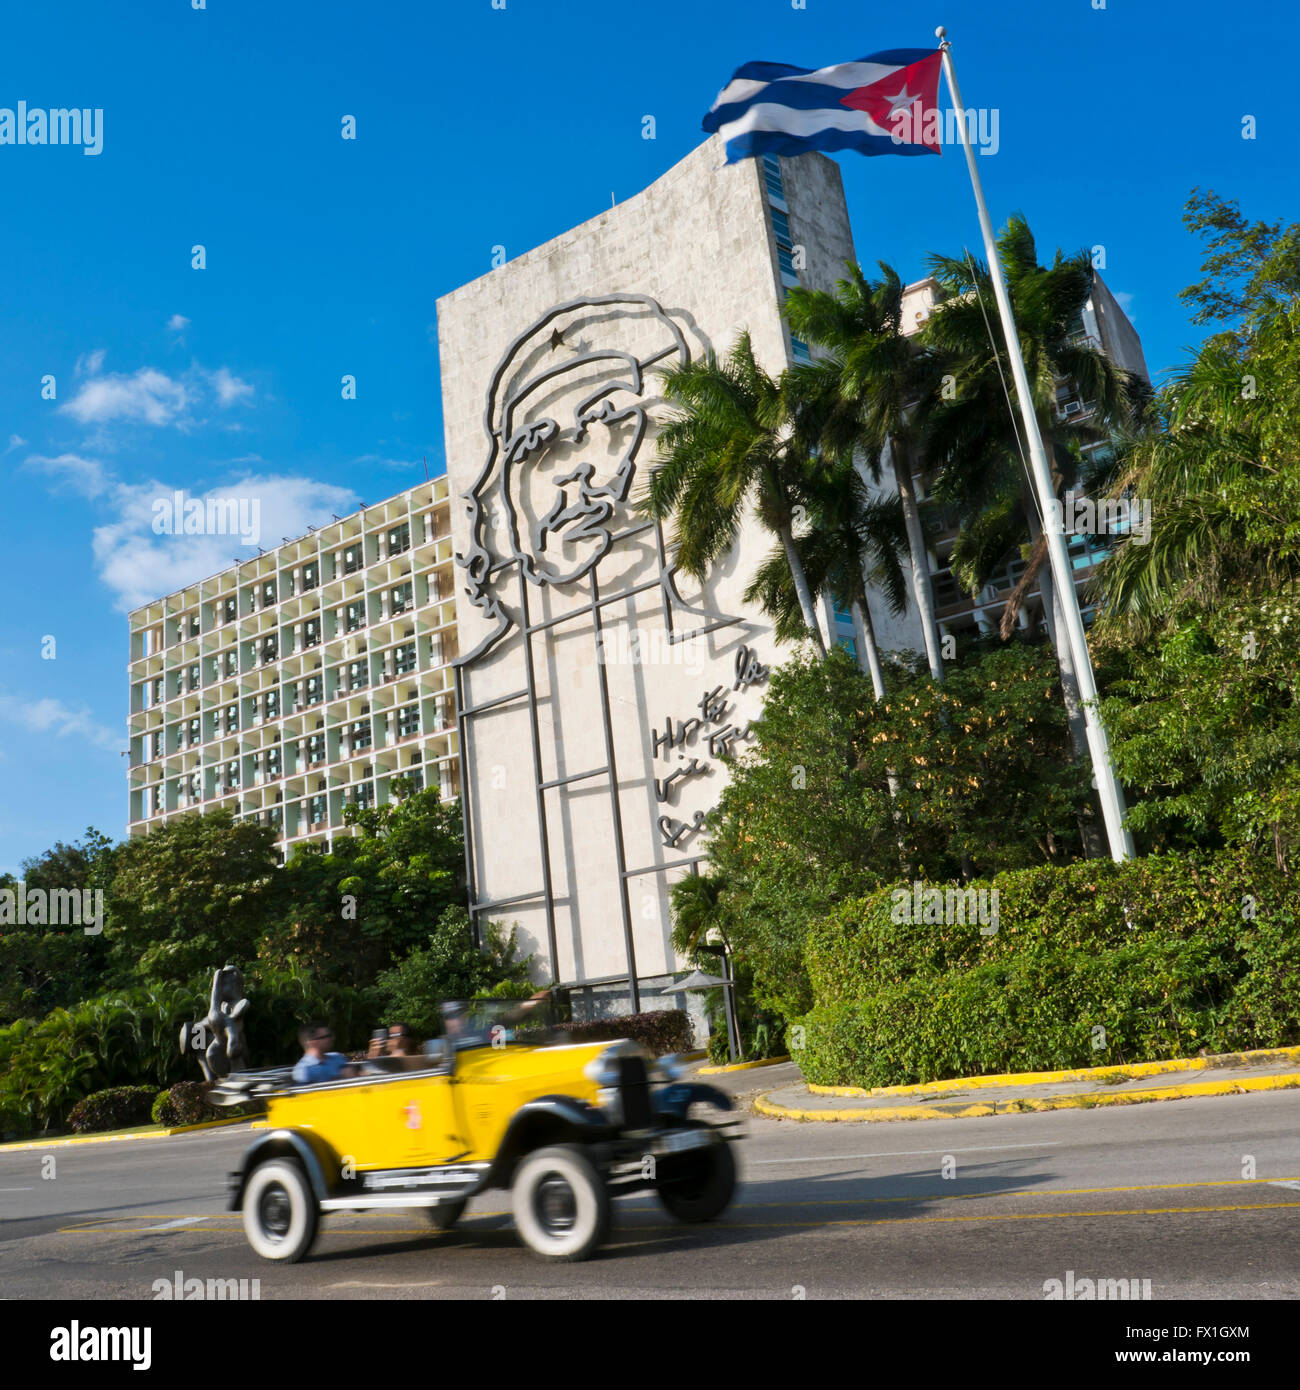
(548, 377)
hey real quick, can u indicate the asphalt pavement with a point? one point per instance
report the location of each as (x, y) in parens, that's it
(1199, 1196)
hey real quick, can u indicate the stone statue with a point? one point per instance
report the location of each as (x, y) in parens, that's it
(219, 1038)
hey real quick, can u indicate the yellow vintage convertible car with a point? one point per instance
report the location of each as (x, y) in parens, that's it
(563, 1126)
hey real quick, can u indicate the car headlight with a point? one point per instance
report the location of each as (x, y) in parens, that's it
(605, 1069)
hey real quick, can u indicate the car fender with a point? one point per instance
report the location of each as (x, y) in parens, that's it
(675, 1101)
(316, 1157)
(544, 1121)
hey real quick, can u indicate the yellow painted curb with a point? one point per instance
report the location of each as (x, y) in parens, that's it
(743, 1066)
(1129, 1071)
(117, 1138)
(1079, 1101)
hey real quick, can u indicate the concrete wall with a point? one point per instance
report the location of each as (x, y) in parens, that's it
(699, 243)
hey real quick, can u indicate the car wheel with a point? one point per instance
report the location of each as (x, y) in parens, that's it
(699, 1184)
(445, 1215)
(560, 1202)
(280, 1212)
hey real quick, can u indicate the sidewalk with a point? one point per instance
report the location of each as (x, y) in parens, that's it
(1237, 1073)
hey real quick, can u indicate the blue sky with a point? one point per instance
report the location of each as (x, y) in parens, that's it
(476, 127)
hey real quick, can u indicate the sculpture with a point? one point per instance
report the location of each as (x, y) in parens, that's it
(219, 1038)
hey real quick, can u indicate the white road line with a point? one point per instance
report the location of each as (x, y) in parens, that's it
(180, 1221)
(15, 1189)
(1294, 1186)
(906, 1153)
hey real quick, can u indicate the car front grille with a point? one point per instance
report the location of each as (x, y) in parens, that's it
(634, 1086)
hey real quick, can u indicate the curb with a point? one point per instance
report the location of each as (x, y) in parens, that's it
(1127, 1072)
(743, 1066)
(118, 1138)
(1084, 1100)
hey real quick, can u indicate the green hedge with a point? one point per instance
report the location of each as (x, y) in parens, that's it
(661, 1030)
(1156, 952)
(120, 1107)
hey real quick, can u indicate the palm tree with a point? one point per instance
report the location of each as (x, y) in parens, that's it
(728, 445)
(853, 542)
(870, 382)
(972, 437)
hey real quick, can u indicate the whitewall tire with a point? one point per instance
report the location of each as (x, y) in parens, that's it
(280, 1212)
(560, 1203)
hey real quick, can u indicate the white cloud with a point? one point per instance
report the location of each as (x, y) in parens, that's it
(87, 476)
(16, 441)
(229, 388)
(88, 364)
(139, 565)
(147, 395)
(380, 461)
(178, 323)
(53, 717)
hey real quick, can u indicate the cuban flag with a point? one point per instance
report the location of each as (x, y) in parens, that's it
(886, 103)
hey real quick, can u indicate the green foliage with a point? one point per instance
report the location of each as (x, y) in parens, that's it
(191, 895)
(120, 1107)
(184, 1104)
(1167, 954)
(983, 783)
(450, 966)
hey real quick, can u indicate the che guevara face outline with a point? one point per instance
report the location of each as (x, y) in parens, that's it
(584, 498)
(559, 489)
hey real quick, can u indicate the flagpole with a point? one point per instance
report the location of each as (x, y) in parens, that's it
(1108, 788)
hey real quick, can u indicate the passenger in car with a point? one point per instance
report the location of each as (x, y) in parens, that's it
(317, 1064)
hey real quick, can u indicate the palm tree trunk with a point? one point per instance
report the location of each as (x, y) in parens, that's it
(868, 651)
(806, 605)
(921, 589)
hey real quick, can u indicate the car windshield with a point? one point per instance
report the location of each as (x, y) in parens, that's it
(489, 1022)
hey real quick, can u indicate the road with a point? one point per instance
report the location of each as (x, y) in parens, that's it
(1163, 1192)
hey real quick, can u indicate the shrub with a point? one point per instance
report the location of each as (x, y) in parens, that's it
(163, 1112)
(120, 1107)
(1093, 963)
(660, 1031)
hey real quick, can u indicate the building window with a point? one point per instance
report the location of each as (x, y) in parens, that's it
(404, 658)
(352, 556)
(270, 648)
(193, 623)
(310, 576)
(268, 593)
(157, 691)
(358, 674)
(272, 704)
(399, 539)
(232, 718)
(772, 177)
(193, 733)
(232, 775)
(316, 810)
(354, 616)
(400, 598)
(229, 609)
(231, 663)
(800, 350)
(315, 748)
(362, 795)
(311, 632)
(359, 735)
(408, 721)
(314, 690)
(273, 762)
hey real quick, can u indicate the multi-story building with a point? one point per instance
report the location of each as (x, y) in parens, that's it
(302, 679)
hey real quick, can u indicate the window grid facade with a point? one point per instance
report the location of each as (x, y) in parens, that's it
(271, 689)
